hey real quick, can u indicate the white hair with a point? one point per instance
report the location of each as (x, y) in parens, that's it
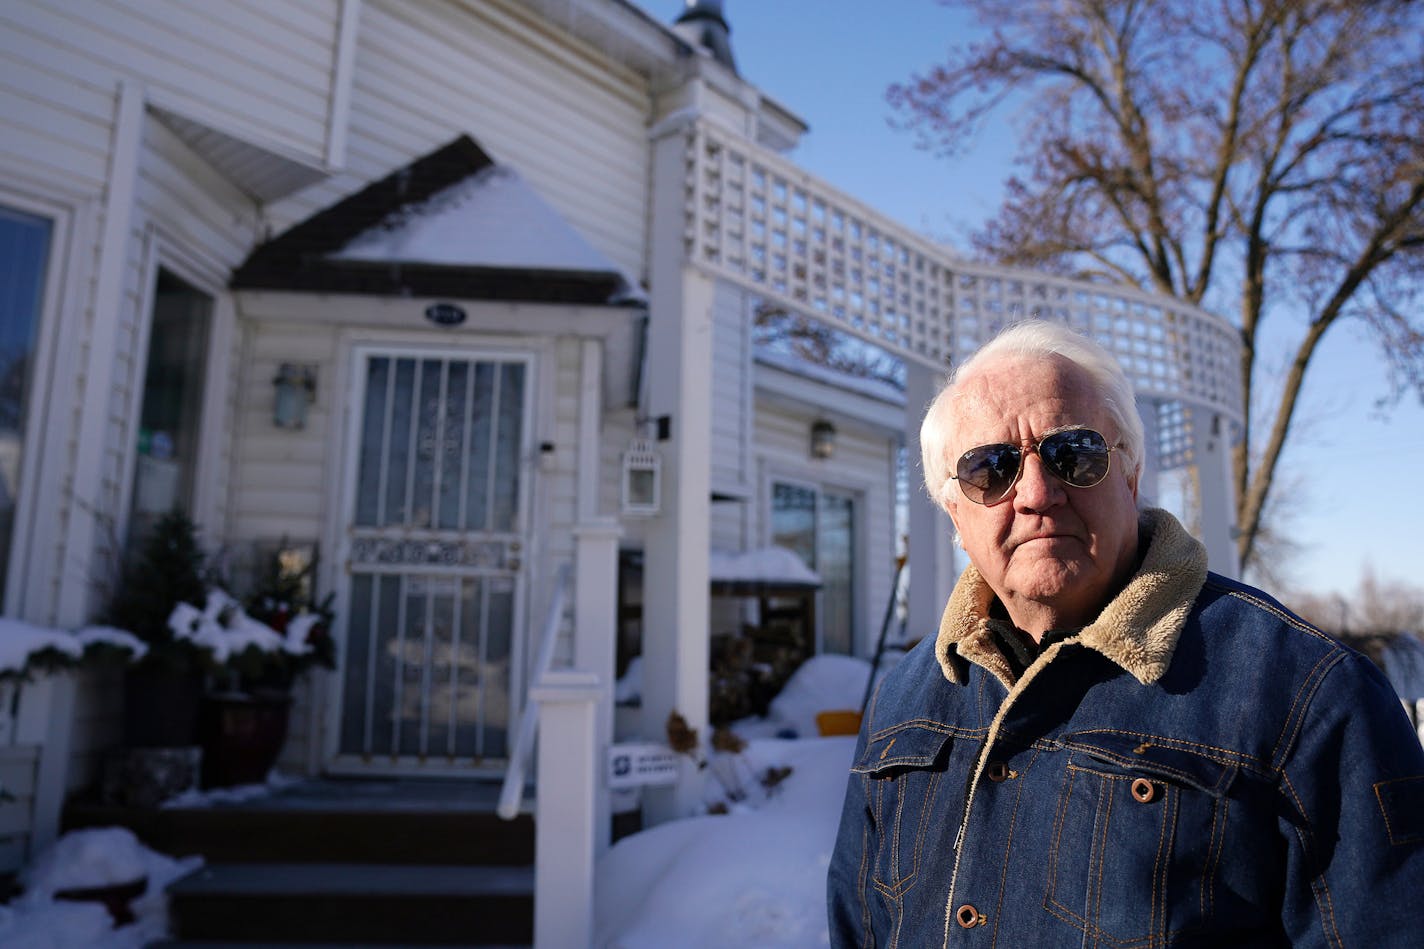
(1029, 340)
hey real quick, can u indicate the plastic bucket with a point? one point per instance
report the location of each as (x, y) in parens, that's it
(838, 721)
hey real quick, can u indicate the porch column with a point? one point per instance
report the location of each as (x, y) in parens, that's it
(931, 551)
(1211, 451)
(679, 389)
(565, 815)
(595, 614)
(1148, 491)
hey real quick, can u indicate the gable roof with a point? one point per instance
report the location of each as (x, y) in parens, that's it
(450, 224)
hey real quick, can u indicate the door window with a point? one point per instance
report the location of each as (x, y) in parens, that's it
(818, 525)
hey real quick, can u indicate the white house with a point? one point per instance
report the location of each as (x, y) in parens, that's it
(515, 252)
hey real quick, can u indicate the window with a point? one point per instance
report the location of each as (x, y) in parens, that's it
(24, 253)
(819, 526)
(172, 403)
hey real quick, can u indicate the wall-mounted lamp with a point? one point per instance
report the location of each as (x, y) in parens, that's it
(823, 439)
(641, 493)
(296, 390)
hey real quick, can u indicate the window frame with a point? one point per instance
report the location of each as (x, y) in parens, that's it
(32, 537)
(160, 253)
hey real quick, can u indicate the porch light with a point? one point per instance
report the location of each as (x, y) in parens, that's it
(642, 479)
(823, 439)
(296, 390)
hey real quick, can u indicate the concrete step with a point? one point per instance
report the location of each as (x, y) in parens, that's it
(354, 904)
(311, 834)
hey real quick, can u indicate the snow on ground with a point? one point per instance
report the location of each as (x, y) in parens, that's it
(82, 859)
(755, 876)
(103, 857)
(752, 877)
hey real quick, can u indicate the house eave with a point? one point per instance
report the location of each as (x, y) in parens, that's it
(398, 279)
(799, 393)
(506, 317)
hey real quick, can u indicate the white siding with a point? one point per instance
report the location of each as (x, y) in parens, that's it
(280, 476)
(256, 69)
(569, 120)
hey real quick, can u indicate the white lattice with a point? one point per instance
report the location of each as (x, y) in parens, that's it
(757, 220)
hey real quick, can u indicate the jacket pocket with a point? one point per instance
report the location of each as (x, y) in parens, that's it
(1137, 838)
(903, 768)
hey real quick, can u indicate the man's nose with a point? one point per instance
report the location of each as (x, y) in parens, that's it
(1037, 490)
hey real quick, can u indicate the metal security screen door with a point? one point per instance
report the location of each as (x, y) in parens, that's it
(435, 545)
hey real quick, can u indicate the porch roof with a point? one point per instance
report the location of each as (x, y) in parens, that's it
(450, 224)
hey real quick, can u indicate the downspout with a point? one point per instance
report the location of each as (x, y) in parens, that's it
(343, 72)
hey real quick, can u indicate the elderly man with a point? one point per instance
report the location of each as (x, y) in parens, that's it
(1107, 745)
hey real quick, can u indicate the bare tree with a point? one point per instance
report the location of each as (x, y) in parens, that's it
(1261, 154)
(1377, 607)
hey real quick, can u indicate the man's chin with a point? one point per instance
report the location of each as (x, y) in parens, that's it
(1050, 579)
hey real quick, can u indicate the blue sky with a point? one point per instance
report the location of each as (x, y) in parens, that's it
(830, 61)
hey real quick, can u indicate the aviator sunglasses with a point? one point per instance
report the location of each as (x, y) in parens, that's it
(1079, 457)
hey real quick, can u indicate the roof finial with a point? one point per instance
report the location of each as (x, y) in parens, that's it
(703, 24)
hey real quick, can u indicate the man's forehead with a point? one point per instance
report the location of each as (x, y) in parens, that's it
(1046, 388)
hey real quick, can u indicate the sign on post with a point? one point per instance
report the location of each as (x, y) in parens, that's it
(635, 764)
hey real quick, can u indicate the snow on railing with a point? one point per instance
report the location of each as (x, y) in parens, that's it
(512, 792)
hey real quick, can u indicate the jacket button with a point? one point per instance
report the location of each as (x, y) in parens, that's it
(969, 917)
(1144, 791)
(997, 771)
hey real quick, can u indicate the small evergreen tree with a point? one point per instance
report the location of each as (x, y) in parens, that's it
(168, 570)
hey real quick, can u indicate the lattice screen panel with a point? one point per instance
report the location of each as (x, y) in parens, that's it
(757, 220)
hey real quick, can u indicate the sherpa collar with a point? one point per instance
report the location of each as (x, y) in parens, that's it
(1138, 629)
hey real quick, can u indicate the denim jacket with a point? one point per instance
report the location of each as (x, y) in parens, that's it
(1197, 767)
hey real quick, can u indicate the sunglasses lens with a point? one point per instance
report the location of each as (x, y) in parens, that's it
(1079, 456)
(987, 473)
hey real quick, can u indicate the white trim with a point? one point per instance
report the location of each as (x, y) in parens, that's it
(402, 318)
(143, 330)
(91, 439)
(338, 117)
(586, 483)
(354, 347)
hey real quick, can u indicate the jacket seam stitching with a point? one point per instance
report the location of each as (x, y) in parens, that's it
(1319, 889)
(1295, 717)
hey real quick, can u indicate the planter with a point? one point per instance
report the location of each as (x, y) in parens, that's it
(241, 736)
(146, 777)
(160, 707)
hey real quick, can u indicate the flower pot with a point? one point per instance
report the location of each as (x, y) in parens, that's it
(160, 707)
(241, 736)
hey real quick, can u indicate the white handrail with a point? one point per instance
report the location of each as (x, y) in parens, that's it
(512, 792)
